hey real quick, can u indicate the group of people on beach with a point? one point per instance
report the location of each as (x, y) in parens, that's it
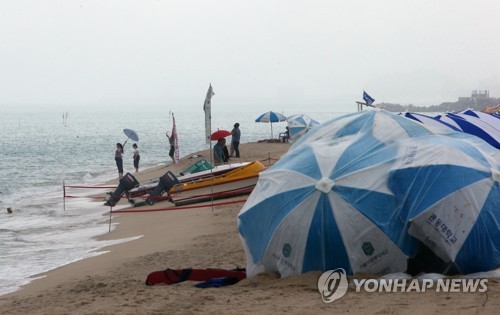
(119, 158)
(221, 153)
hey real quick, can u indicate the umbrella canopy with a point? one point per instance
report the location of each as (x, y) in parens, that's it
(270, 117)
(322, 206)
(428, 120)
(473, 126)
(219, 134)
(335, 199)
(378, 124)
(449, 192)
(490, 119)
(299, 125)
(131, 134)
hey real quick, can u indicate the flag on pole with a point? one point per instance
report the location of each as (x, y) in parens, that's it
(368, 99)
(176, 140)
(207, 107)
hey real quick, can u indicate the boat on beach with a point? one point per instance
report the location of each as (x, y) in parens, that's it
(236, 182)
(183, 177)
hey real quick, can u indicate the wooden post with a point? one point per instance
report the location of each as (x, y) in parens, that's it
(64, 196)
(110, 210)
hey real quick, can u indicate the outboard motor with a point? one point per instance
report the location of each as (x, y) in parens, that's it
(126, 183)
(167, 181)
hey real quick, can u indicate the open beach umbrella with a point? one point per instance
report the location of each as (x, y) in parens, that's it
(299, 125)
(322, 206)
(428, 120)
(270, 117)
(131, 134)
(449, 191)
(379, 124)
(474, 127)
(219, 134)
(490, 119)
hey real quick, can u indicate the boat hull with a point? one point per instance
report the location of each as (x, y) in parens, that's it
(216, 171)
(236, 182)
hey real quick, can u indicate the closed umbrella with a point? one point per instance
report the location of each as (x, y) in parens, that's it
(270, 117)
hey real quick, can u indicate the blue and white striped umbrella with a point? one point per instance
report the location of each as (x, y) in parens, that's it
(299, 125)
(490, 119)
(449, 191)
(322, 206)
(341, 197)
(473, 126)
(270, 117)
(379, 124)
(428, 120)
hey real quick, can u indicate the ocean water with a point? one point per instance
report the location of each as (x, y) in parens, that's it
(39, 151)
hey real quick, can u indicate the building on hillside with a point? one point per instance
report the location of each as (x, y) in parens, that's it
(476, 95)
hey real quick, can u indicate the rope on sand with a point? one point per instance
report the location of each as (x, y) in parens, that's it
(181, 208)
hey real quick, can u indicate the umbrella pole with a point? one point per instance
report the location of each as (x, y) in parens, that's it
(271, 130)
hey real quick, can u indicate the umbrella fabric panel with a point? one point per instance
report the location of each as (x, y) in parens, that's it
(324, 248)
(481, 250)
(492, 120)
(257, 227)
(369, 248)
(430, 121)
(446, 231)
(471, 128)
(492, 131)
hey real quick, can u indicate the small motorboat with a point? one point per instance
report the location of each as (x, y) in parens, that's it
(185, 176)
(236, 182)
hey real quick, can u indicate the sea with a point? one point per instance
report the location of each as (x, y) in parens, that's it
(42, 151)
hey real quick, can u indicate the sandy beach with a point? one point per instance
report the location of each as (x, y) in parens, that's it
(114, 282)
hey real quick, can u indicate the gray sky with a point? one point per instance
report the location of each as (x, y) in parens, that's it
(279, 55)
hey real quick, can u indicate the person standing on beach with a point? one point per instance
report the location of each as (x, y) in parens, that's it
(119, 159)
(137, 157)
(171, 141)
(235, 140)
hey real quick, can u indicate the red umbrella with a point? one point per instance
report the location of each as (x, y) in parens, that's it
(219, 134)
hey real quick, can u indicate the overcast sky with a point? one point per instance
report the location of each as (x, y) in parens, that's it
(280, 55)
